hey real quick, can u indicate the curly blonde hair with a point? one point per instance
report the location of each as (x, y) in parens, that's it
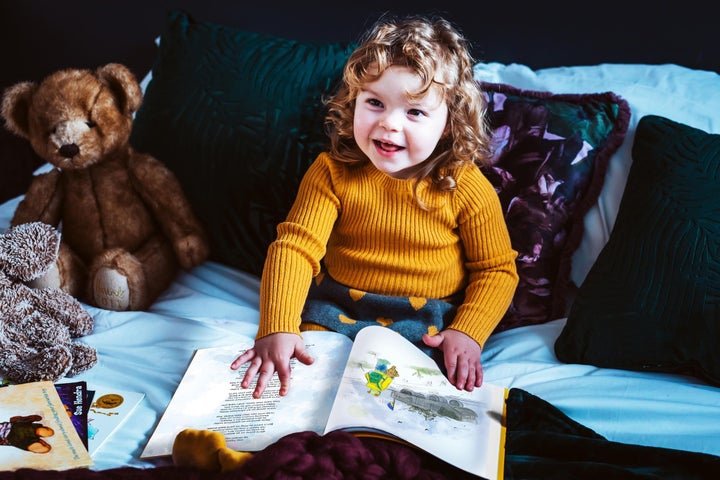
(437, 52)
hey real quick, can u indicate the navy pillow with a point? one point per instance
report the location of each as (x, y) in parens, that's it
(652, 299)
(238, 117)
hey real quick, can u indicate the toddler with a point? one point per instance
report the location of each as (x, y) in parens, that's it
(394, 225)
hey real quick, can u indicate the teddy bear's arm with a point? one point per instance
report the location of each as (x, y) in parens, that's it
(42, 200)
(162, 192)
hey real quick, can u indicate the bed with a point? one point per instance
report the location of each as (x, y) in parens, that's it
(651, 394)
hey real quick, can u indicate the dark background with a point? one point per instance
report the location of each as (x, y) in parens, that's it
(38, 37)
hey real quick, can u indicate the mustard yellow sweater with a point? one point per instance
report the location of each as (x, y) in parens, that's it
(374, 237)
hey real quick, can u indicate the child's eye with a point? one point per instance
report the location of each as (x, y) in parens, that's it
(414, 112)
(374, 102)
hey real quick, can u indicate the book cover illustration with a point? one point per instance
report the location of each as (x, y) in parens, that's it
(74, 396)
(109, 409)
(36, 430)
(388, 387)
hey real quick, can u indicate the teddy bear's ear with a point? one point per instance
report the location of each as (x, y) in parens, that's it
(16, 107)
(125, 87)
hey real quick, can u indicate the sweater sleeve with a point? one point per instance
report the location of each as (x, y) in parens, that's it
(293, 259)
(490, 258)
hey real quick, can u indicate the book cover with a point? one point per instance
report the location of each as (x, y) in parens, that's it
(381, 385)
(74, 396)
(36, 430)
(110, 408)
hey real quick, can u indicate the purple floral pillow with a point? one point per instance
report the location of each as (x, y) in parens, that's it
(551, 154)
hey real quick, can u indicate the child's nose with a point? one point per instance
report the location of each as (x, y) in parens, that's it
(391, 121)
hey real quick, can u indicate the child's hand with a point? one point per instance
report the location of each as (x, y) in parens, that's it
(462, 358)
(272, 354)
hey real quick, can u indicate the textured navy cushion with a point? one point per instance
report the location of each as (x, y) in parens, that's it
(652, 299)
(552, 152)
(237, 116)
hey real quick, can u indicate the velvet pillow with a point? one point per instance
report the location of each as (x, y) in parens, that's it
(237, 116)
(551, 154)
(651, 301)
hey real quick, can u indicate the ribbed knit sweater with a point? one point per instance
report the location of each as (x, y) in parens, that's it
(371, 235)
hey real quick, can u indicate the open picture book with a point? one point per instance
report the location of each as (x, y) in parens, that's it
(380, 384)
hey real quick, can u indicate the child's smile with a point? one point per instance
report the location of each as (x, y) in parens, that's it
(386, 147)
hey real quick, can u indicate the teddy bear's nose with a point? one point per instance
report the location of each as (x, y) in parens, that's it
(69, 150)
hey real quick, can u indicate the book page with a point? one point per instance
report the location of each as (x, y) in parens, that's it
(210, 397)
(391, 386)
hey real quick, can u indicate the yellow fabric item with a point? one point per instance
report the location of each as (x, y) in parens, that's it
(372, 235)
(207, 450)
(307, 326)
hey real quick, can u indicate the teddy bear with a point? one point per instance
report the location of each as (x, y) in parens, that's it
(39, 328)
(126, 224)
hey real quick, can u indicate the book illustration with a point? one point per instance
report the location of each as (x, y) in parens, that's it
(74, 397)
(406, 411)
(26, 433)
(432, 405)
(104, 406)
(388, 388)
(108, 410)
(380, 377)
(36, 430)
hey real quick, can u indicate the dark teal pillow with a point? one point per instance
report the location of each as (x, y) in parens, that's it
(237, 116)
(652, 299)
(551, 155)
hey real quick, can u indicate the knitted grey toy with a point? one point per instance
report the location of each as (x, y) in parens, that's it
(38, 327)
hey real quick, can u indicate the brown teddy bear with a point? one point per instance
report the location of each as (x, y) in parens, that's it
(38, 327)
(126, 224)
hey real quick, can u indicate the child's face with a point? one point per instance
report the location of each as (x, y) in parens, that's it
(394, 130)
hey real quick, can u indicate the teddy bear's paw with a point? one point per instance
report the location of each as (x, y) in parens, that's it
(191, 250)
(110, 290)
(84, 357)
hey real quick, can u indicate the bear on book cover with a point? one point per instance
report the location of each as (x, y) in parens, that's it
(36, 430)
(26, 433)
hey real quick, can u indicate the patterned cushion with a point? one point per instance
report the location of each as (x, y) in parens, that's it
(552, 151)
(237, 117)
(652, 299)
